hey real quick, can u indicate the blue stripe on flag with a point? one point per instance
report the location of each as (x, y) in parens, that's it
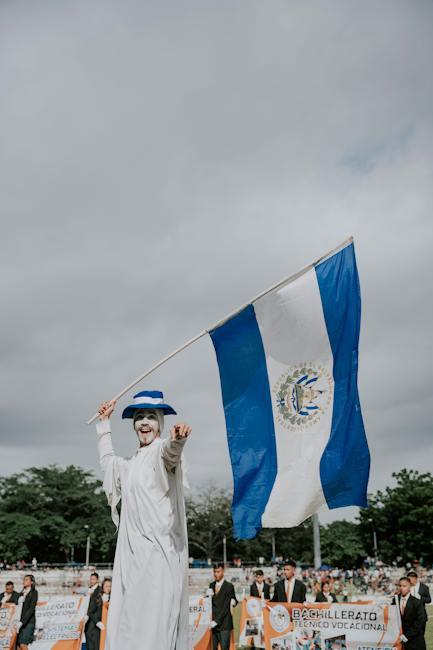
(249, 420)
(345, 463)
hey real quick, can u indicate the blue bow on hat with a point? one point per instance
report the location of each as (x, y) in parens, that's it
(148, 399)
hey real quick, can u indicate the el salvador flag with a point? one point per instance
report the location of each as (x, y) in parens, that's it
(288, 367)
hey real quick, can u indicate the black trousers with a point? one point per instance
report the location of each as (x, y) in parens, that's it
(222, 638)
(93, 634)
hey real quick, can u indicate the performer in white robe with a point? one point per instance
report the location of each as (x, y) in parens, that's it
(149, 598)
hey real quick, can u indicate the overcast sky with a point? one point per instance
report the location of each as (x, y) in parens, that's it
(162, 163)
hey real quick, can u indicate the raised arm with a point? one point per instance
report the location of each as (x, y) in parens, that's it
(110, 464)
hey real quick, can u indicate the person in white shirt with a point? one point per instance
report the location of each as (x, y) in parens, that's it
(289, 589)
(325, 595)
(149, 599)
(26, 625)
(260, 588)
(412, 617)
(223, 601)
(9, 595)
(419, 590)
(91, 629)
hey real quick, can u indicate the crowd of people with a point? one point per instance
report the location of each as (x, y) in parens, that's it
(27, 599)
(330, 585)
(409, 594)
(326, 585)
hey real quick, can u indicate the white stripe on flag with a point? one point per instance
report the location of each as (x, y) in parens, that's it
(294, 335)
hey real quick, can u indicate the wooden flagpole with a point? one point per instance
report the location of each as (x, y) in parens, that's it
(281, 283)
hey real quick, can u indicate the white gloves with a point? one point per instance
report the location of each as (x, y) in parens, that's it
(101, 625)
(18, 626)
(232, 603)
(213, 624)
(403, 638)
(209, 592)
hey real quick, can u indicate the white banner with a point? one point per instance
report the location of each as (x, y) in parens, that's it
(60, 619)
(8, 616)
(338, 626)
(200, 616)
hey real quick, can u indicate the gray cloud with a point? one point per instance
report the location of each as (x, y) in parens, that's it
(160, 165)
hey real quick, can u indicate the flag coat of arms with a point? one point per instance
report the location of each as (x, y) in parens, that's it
(288, 367)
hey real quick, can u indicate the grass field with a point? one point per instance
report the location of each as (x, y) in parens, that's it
(428, 635)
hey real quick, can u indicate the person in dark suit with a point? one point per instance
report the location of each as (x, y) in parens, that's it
(289, 589)
(259, 586)
(412, 617)
(94, 614)
(420, 591)
(26, 625)
(9, 595)
(325, 595)
(223, 599)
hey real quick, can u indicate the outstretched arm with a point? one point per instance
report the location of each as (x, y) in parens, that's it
(172, 447)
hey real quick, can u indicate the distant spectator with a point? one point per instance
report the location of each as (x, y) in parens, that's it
(9, 595)
(316, 588)
(259, 586)
(27, 622)
(106, 590)
(419, 590)
(92, 630)
(325, 595)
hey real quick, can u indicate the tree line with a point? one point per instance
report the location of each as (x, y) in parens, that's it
(48, 513)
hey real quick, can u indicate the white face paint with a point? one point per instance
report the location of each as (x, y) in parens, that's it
(146, 426)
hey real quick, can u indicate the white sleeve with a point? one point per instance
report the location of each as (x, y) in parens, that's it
(172, 452)
(110, 465)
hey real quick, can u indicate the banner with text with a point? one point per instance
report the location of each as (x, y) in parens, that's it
(60, 622)
(7, 626)
(337, 626)
(200, 616)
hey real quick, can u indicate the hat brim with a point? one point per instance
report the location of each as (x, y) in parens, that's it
(165, 408)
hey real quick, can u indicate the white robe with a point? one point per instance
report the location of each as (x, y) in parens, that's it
(149, 598)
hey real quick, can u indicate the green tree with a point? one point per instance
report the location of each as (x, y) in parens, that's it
(342, 544)
(400, 517)
(18, 533)
(44, 511)
(209, 520)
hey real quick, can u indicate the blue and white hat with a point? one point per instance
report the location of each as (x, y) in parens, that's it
(148, 399)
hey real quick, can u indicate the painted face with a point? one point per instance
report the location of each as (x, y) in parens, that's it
(146, 426)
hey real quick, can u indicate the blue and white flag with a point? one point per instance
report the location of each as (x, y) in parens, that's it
(288, 366)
